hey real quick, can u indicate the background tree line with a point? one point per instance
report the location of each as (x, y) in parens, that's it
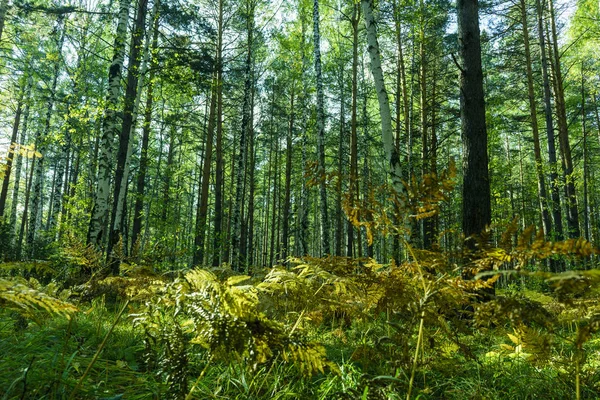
(214, 131)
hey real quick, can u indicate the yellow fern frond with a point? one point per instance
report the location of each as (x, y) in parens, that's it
(27, 301)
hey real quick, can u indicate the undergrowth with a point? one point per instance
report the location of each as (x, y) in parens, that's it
(330, 328)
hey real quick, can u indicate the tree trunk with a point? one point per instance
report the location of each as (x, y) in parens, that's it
(251, 190)
(537, 153)
(402, 109)
(143, 167)
(391, 154)
(3, 12)
(354, 189)
(237, 260)
(288, 179)
(18, 166)
(219, 237)
(42, 145)
(11, 149)
(586, 203)
(556, 212)
(563, 133)
(124, 152)
(273, 256)
(476, 184)
(340, 169)
(321, 170)
(202, 205)
(110, 130)
(303, 223)
(29, 183)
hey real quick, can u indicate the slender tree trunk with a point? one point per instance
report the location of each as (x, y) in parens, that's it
(392, 158)
(321, 170)
(97, 234)
(11, 149)
(202, 205)
(288, 178)
(25, 210)
(146, 130)
(402, 109)
(219, 237)
(354, 189)
(3, 11)
(425, 167)
(476, 184)
(168, 176)
(432, 223)
(303, 223)
(237, 260)
(124, 152)
(273, 256)
(586, 202)
(36, 195)
(563, 132)
(251, 190)
(18, 166)
(340, 170)
(556, 212)
(537, 153)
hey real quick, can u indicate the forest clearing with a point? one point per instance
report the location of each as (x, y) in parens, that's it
(294, 199)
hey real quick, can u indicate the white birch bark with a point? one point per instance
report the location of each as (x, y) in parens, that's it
(99, 220)
(387, 135)
(136, 107)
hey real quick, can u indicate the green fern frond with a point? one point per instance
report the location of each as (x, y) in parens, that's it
(27, 301)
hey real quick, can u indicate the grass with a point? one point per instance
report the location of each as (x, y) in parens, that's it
(46, 361)
(96, 355)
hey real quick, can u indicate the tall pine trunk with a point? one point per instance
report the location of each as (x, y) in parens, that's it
(321, 169)
(555, 196)
(476, 184)
(537, 153)
(354, 186)
(288, 179)
(563, 132)
(219, 237)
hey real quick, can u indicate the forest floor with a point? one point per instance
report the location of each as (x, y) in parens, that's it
(119, 347)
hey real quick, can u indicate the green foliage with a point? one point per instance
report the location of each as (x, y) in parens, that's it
(198, 310)
(29, 297)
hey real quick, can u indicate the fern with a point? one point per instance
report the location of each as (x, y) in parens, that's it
(18, 296)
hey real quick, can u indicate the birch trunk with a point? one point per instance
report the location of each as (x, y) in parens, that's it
(97, 234)
(387, 135)
(131, 101)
